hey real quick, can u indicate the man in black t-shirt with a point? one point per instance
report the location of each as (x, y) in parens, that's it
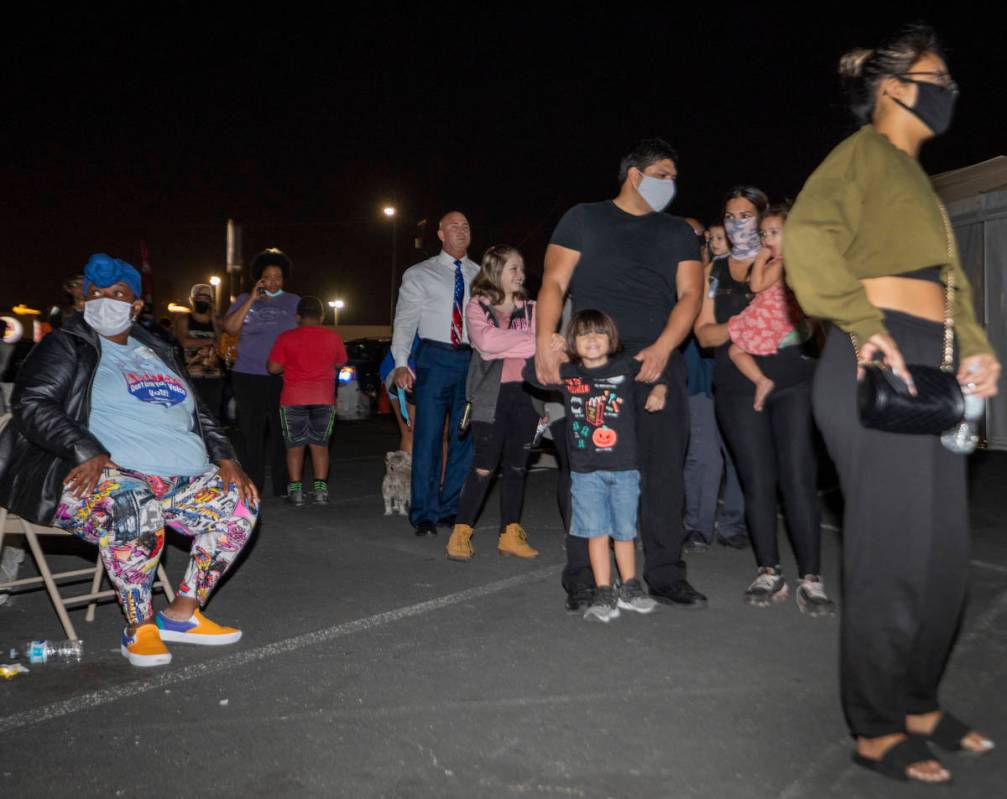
(641, 267)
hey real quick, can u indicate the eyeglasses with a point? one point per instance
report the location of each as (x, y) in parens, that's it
(943, 79)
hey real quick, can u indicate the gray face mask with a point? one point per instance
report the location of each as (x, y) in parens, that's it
(657, 193)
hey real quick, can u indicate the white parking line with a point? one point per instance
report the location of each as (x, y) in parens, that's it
(166, 679)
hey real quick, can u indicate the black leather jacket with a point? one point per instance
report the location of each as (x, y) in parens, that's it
(48, 434)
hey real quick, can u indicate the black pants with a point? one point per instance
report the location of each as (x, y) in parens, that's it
(775, 449)
(258, 398)
(661, 441)
(211, 391)
(506, 441)
(905, 543)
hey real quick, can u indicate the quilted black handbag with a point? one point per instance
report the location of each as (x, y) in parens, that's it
(885, 403)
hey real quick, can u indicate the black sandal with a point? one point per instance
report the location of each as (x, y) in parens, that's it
(897, 759)
(948, 734)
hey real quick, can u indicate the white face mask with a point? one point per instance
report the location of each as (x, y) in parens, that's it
(657, 193)
(108, 317)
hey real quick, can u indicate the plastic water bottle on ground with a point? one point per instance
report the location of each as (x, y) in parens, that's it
(65, 651)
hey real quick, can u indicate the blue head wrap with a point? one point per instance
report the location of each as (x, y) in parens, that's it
(104, 270)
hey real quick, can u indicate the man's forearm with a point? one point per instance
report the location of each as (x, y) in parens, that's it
(548, 310)
(680, 321)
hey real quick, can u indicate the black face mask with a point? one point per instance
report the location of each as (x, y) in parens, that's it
(201, 306)
(935, 105)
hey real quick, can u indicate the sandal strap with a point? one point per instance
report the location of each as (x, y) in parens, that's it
(949, 732)
(905, 754)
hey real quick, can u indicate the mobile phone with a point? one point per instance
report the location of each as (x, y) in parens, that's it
(466, 421)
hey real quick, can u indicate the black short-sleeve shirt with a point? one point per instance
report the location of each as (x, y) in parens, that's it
(627, 266)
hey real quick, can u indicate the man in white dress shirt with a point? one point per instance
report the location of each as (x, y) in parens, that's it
(431, 304)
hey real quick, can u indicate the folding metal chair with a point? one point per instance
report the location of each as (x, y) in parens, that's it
(9, 524)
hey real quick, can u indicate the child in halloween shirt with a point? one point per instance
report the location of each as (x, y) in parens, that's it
(598, 388)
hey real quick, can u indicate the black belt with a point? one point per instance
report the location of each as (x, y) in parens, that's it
(443, 345)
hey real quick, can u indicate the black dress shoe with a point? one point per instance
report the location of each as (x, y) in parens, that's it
(681, 595)
(579, 599)
(447, 521)
(739, 541)
(426, 528)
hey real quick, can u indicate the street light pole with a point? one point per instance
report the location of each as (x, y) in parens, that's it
(336, 306)
(390, 212)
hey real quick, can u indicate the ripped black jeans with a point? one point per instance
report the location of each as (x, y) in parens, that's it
(505, 442)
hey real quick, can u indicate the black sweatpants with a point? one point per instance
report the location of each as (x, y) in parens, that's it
(905, 543)
(774, 449)
(258, 399)
(661, 442)
(506, 442)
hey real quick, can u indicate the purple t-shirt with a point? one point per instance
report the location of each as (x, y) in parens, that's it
(265, 320)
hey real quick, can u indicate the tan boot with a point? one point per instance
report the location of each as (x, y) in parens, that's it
(513, 541)
(460, 544)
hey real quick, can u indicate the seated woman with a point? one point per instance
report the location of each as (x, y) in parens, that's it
(110, 442)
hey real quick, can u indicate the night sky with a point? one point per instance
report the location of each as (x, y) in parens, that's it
(159, 126)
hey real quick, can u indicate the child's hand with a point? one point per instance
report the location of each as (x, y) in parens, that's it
(656, 399)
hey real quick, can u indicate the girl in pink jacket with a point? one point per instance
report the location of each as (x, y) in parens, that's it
(500, 321)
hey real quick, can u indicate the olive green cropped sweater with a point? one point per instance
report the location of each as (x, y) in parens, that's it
(869, 211)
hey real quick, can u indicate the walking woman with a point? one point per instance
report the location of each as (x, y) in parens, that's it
(501, 328)
(773, 448)
(869, 247)
(259, 317)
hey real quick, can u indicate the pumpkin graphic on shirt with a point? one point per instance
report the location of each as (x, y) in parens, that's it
(604, 438)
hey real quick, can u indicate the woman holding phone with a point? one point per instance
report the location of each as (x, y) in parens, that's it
(259, 317)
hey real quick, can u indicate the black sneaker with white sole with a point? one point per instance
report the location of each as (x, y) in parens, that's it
(604, 607)
(633, 597)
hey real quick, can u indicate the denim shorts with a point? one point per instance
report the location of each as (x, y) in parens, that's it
(605, 503)
(307, 424)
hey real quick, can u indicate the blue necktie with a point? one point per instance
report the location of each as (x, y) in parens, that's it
(457, 330)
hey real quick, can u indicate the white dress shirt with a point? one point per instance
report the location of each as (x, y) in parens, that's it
(425, 300)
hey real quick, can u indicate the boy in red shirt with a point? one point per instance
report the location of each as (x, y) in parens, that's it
(308, 357)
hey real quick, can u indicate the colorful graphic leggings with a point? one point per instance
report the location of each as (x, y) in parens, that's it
(126, 516)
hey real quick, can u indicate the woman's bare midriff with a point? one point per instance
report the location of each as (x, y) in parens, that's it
(910, 296)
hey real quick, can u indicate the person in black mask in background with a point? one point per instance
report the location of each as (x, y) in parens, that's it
(196, 333)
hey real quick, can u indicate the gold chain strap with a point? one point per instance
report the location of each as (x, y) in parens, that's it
(949, 281)
(947, 361)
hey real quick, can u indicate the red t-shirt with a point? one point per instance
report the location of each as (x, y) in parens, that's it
(310, 355)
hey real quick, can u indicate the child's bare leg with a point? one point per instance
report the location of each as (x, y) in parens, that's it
(320, 461)
(749, 368)
(601, 560)
(625, 559)
(295, 463)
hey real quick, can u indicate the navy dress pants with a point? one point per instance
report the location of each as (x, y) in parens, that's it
(440, 395)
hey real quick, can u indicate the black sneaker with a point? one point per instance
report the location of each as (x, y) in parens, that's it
(768, 588)
(633, 597)
(604, 607)
(296, 497)
(695, 542)
(579, 599)
(426, 528)
(738, 541)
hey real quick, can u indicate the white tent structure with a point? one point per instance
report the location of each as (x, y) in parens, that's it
(976, 200)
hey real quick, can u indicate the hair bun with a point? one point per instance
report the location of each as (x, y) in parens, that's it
(851, 65)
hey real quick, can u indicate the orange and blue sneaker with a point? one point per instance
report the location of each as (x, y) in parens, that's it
(144, 647)
(196, 630)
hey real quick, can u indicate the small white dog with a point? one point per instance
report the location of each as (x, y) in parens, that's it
(396, 487)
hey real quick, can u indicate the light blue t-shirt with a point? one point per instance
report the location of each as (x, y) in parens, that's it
(142, 412)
